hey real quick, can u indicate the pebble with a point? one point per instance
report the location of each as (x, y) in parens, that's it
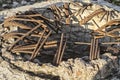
(6, 6)
(15, 4)
(33, 0)
(23, 2)
(1, 59)
(27, 56)
(8, 55)
(37, 61)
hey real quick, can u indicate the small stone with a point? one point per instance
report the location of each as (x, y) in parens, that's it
(33, 0)
(7, 54)
(85, 58)
(27, 56)
(1, 59)
(115, 78)
(11, 40)
(1, 19)
(6, 6)
(37, 61)
(9, 1)
(15, 4)
(87, 1)
(3, 50)
(23, 2)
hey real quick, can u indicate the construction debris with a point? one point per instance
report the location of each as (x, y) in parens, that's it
(35, 29)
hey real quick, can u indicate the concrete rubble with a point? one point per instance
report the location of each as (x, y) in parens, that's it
(72, 69)
(13, 67)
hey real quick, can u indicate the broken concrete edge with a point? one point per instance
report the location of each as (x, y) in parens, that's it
(43, 4)
(12, 12)
(105, 3)
(73, 69)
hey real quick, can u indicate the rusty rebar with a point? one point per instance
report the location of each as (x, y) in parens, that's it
(104, 43)
(89, 17)
(59, 53)
(96, 52)
(41, 45)
(62, 52)
(38, 43)
(92, 49)
(56, 59)
(62, 15)
(28, 33)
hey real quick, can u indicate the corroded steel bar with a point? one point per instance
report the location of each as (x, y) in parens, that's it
(35, 15)
(114, 30)
(95, 23)
(107, 16)
(17, 35)
(67, 13)
(111, 43)
(22, 51)
(28, 33)
(101, 43)
(58, 52)
(62, 52)
(50, 46)
(30, 20)
(89, 17)
(112, 22)
(103, 16)
(82, 43)
(94, 49)
(11, 23)
(56, 10)
(41, 45)
(60, 48)
(24, 46)
(107, 34)
(91, 49)
(96, 52)
(66, 7)
(38, 43)
(51, 42)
